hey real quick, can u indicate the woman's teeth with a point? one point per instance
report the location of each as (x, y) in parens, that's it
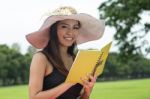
(69, 38)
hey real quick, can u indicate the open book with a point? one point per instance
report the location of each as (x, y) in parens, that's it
(88, 62)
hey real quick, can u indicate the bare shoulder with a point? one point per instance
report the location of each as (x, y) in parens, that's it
(41, 63)
(39, 56)
(39, 60)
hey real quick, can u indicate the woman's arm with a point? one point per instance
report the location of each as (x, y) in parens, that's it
(37, 73)
(88, 86)
(52, 93)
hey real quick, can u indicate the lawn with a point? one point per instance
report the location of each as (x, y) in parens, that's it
(128, 89)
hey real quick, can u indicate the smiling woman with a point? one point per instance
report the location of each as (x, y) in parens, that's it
(57, 37)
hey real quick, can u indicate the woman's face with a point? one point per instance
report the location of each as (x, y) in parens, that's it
(67, 32)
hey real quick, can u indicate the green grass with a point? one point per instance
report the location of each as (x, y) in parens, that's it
(14, 92)
(128, 89)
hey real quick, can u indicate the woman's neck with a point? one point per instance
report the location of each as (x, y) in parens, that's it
(63, 51)
(66, 58)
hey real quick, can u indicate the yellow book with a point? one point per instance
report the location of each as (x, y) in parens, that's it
(88, 62)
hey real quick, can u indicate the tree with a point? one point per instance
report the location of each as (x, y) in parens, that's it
(31, 50)
(16, 47)
(14, 67)
(3, 64)
(125, 16)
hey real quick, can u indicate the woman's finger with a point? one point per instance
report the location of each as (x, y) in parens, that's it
(95, 76)
(92, 79)
(85, 82)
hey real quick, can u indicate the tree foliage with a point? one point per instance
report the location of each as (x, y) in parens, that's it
(137, 67)
(16, 47)
(14, 67)
(31, 50)
(126, 17)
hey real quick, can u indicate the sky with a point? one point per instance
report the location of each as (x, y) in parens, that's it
(21, 17)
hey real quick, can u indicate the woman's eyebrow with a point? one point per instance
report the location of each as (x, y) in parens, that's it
(68, 24)
(64, 23)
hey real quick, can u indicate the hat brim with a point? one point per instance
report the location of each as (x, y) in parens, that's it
(91, 29)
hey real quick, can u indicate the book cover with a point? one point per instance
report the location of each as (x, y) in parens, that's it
(88, 62)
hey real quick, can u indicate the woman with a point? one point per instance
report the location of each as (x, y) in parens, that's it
(57, 38)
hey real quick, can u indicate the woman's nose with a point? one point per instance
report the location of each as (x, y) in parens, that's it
(70, 31)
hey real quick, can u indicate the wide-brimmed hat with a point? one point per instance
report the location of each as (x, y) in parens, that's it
(91, 28)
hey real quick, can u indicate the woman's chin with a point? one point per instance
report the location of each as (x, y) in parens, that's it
(67, 44)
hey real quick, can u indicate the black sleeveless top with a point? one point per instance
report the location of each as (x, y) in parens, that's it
(54, 79)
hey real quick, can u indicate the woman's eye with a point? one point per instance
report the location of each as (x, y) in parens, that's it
(76, 27)
(64, 26)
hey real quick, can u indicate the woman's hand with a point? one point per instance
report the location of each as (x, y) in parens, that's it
(88, 84)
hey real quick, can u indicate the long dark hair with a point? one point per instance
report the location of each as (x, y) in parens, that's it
(52, 50)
